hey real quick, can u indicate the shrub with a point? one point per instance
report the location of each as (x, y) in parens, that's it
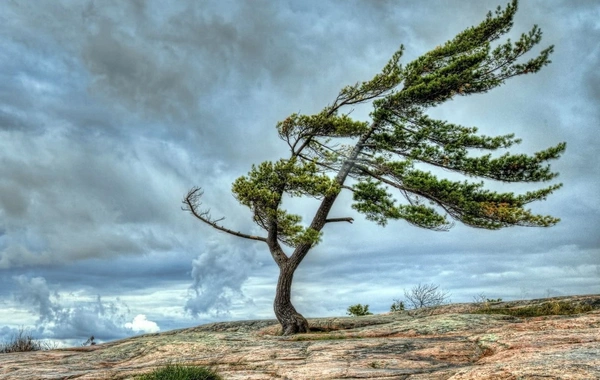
(481, 299)
(22, 341)
(358, 310)
(180, 372)
(426, 295)
(397, 306)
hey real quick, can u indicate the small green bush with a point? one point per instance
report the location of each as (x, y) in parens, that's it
(180, 372)
(397, 306)
(358, 310)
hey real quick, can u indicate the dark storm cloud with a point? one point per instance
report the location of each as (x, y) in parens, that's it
(80, 200)
(110, 111)
(200, 67)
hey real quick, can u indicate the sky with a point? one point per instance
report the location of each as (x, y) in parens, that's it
(110, 111)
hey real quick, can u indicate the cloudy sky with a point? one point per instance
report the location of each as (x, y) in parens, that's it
(110, 111)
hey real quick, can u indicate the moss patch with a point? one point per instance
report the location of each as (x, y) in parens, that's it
(549, 308)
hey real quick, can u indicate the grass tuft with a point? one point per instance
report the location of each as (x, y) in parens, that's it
(180, 372)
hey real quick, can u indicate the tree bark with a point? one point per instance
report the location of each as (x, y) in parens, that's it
(291, 321)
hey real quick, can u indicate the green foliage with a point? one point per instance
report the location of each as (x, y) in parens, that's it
(321, 124)
(549, 308)
(358, 310)
(377, 204)
(398, 149)
(262, 191)
(402, 135)
(181, 372)
(397, 306)
(466, 65)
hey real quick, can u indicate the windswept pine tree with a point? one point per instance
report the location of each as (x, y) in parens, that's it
(388, 153)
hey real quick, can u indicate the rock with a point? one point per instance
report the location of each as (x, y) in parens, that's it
(449, 342)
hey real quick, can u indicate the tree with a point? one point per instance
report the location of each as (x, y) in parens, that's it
(358, 310)
(426, 295)
(389, 153)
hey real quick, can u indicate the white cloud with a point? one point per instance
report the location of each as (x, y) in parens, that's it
(141, 324)
(65, 317)
(218, 276)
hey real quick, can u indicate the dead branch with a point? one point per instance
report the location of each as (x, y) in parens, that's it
(192, 204)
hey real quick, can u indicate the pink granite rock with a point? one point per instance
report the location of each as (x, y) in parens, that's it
(450, 342)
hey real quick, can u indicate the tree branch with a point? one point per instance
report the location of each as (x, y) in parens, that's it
(333, 220)
(192, 204)
(320, 218)
(274, 247)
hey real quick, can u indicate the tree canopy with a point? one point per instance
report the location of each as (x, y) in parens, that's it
(330, 152)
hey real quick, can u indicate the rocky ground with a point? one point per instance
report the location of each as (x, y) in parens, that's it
(449, 342)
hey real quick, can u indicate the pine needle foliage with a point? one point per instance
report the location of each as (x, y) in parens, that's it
(358, 310)
(391, 163)
(402, 135)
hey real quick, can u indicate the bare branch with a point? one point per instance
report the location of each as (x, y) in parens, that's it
(192, 204)
(333, 220)
(426, 295)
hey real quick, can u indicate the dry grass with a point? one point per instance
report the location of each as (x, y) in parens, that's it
(22, 341)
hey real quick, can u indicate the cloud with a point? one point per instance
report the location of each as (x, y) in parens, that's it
(91, 200)
(35, 293)
(111, 112)
(64, 318)
(218, 276)
(141, 324)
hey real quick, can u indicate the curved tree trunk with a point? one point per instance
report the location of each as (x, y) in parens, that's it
(291, 321)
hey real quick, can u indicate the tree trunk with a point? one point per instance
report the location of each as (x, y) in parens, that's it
(291, 321)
